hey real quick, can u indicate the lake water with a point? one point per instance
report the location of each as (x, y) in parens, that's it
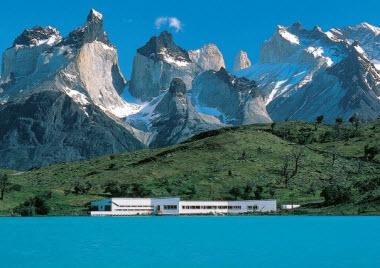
(190, 242)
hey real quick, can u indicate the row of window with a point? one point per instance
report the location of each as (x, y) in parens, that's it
(211, 207)
(135, 206)
(170, 207)
(134, 209)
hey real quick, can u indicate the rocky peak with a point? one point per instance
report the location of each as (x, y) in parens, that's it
(37, 36)
(93, 30)
(177, 86)
(297, 25)
(162, 47)
(94, 17)
(238, 83)
(241, 61)
(208, 57)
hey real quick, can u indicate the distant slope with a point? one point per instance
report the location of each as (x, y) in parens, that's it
(242, 162)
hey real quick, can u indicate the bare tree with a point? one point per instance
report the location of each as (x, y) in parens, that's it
(334, 154)
(295, 158)
(297, 155)
(3, 185)
(318, 121)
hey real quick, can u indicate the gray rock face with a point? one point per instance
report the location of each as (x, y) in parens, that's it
(305, 73)
(38, 35)
(160, 60)
(241, 61)
(156, 64)
(366, 34)
(235, 100)
(349, 87)
(208, 57)
(171, 118)
(62, 95)
(50, 127)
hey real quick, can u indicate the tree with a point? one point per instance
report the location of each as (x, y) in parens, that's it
(258, 192)
(297, 154)
(354, 120)
(370, 152)
(335, 194)
(235, 192)
(113, 188)
(3, 184)
(248, 189)
(296, 157)
(285, 170)
(272, 126)
(318, 121)
(338, 124)
(33, 206)
(339, 120)
(81, 188)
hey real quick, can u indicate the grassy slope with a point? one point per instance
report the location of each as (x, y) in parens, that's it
(199, 169)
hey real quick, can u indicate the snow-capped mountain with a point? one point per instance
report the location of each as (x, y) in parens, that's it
(232, 100)
(60, 97)
(171, 118)
(156, 64)
(161, 59)
(305, 73)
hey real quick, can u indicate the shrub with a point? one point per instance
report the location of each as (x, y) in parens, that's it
(335, 194)
(33, 206)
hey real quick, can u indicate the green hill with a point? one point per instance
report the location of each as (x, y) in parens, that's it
(327, 169)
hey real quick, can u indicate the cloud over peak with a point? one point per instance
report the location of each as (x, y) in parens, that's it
(171, 22)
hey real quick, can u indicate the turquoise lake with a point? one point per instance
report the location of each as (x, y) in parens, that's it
(190, 242)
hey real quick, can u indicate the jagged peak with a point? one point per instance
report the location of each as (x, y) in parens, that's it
(38, 35)
(241, 61)
(163, 46)
(94, 16)
(297, 25)
(355, 46)
(370, 27)
(239, 83)
(287, 35)
(317, 28)
(91, 31)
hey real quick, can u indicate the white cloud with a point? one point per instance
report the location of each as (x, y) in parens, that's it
(171, 22)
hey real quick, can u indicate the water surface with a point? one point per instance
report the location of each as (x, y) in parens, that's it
(190, 242)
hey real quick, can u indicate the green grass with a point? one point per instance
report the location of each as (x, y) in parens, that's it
(210, 165)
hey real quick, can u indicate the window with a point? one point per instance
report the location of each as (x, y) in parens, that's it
(255, 207)
(170, 207)
(107, 208)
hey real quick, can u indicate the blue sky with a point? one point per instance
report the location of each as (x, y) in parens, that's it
(232, 25)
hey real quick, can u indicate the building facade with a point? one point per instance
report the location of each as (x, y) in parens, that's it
(174, 206)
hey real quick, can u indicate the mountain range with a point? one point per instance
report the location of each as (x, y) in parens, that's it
(61, 96)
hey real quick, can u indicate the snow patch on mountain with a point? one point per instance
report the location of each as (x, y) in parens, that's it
(179, 61)
(288, 36)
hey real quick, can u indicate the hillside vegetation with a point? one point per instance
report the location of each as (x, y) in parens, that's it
(328, 169)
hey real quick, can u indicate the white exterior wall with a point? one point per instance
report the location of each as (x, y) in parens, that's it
(227, 207)
(137, 206)
(159, 206)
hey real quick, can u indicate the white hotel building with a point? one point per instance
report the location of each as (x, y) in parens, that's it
(174, 206)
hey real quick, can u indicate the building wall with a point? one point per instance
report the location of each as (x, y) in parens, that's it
(173, 206)
(142, 206)
(227, 207)
(101, 205)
